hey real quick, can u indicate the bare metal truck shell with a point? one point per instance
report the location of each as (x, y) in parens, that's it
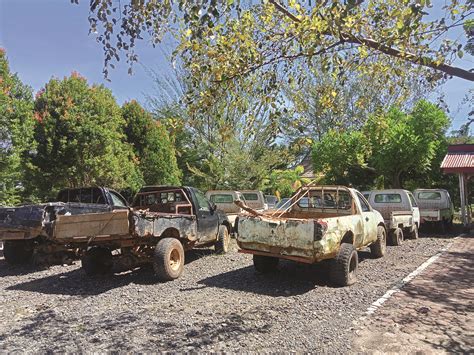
(335, 215)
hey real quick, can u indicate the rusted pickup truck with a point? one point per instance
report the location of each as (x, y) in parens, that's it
(26, 230)
(332, 223)
(162, 223)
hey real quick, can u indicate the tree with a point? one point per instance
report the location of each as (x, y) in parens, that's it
(16, 131)
(152, 146)
(313, 113)
(342, 157)
(223, 43)
(390, 149)
(403, 143)
(80, 140)
(283, 183)
(229, 146)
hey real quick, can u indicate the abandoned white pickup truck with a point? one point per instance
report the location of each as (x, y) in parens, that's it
(436, 207)
(333, 223)
(399, 210)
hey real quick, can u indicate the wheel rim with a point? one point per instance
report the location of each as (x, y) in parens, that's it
(175, 260)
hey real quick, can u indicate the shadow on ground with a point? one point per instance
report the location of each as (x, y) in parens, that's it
(77, 283)
(13, 270)
(448, 294)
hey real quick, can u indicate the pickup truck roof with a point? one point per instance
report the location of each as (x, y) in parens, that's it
(433, 198)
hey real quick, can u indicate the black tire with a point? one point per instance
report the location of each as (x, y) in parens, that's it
(265, 264)
(223, 240)
(414, 234)
(343, 270)
(97, 261)
(442, 226)
(378, 248)
(168, 261)
(396, 237)
(18, 252)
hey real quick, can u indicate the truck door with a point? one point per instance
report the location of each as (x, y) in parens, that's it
(415, 209)
(368, 220)
(207, 218)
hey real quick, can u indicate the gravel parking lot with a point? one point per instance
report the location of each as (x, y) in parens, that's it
(219, 304)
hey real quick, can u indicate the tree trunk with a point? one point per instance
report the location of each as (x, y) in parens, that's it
(396, 183)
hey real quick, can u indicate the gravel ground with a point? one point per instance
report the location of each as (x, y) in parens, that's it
(219, 304)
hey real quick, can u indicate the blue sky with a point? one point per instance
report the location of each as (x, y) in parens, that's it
(49, 38)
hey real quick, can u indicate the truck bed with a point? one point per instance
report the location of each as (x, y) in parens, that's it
(121, 225)
(296, 239)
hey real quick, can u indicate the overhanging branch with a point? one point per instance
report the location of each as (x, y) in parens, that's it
(409, 57)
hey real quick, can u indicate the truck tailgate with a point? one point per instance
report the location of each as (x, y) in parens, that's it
(430, 215)
(77, 227)
(284, 237)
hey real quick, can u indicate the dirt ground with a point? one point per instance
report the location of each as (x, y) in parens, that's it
(219, 304)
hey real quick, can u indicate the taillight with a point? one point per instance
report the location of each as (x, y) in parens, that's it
(320, 228)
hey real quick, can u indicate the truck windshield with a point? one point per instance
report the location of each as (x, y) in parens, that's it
(388, 198)
(429, 195)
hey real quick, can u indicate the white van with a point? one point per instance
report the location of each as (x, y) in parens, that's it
(436, 206)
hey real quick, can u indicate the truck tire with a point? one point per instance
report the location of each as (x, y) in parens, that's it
(168, 261)
(414, 232)
(396, 237)
(223, 239)
(343, 271)
(378, 248)
(265, 264)
(97, 261)
(18, 252)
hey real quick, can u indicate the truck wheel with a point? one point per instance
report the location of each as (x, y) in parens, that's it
(378, 248)
(344, 267)
(397, 237)
(168, 261)
(222, 244)
(265, 264)
(97, 261)
(18, 252)
(414, 232)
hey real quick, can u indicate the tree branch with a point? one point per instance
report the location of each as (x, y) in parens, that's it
(409, 57)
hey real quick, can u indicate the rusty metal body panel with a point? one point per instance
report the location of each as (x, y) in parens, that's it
(32, 221)
(313, 237)
(156, 224)
(125, 227)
